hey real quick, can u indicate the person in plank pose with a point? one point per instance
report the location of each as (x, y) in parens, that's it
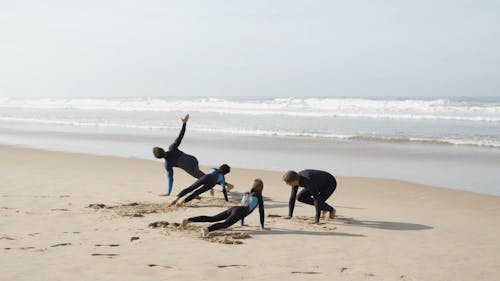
(249, 202)
(203, 184)
(317, 185)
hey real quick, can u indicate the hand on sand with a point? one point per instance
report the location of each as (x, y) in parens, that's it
(185, 118)
(184, 223)
(204, 232)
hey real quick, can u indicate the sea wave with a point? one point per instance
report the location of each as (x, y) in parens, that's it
(265, 133)
(410, 109)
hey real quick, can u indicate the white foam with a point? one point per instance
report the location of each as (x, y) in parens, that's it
(257, 132)
(440, 109)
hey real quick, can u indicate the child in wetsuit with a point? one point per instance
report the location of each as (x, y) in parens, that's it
(249, 202)
(203, 184)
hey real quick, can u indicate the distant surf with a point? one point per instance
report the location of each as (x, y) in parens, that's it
(472, 122)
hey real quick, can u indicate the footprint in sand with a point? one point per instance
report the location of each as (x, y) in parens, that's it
(61, 244)
(105, 255)
(6, 238)
(162, 266)
(232, 265)
(132, 239)
(306, 272)
(344, 269)
(61, 210)
(109, 245)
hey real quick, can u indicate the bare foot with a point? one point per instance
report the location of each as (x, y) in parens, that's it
(204, 232)
(180, 203)
(332, 214)
(175, 201)
(184, 223)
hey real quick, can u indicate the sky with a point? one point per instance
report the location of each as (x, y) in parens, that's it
(323, 48)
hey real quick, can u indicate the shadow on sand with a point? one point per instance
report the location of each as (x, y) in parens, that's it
(387, 225)
(281, 231)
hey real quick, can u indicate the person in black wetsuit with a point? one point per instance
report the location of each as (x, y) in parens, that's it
(318, 187)
(203, 184)
(176, 158)
(234, 214)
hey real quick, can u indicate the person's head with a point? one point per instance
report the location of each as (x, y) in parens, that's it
(257, 186)
(224, 169)
(158, 152)
(291, 178)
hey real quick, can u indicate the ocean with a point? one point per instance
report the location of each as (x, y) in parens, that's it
(383, 134)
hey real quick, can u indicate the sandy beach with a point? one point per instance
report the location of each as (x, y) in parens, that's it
(66, 216)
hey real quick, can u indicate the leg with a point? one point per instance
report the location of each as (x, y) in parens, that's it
(190, 164)
(199, 191)
(188, 189)
(221, 216)
(305, 197)
(237, 213)
(192, 187)
(325, 193)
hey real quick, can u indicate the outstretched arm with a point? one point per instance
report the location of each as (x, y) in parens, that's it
(178, 140)
(291, 203)
(223, 184)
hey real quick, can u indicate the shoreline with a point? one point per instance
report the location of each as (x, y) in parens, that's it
(254, 170)
(471, 169)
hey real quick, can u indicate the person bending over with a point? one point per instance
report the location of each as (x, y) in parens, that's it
(317, 185)
(203, 184)
(176, 158)
(249, 202)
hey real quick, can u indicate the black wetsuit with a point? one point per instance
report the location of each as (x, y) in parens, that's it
(234, 214)
(205, 183)
(176, 158)
(318, 186)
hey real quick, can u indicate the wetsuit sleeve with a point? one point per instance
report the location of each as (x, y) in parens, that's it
(223, 184)
(170, 173)
(261, 211)
(178, 140)
(291, 203)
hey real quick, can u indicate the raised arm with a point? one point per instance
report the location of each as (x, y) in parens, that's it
(291, 203)
(178, 140)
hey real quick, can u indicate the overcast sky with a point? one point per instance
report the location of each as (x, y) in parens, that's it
(250, 48)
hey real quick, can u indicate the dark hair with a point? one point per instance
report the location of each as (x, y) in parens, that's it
(257, 186)
(290, 176)
(224, 168)
(158, 152)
